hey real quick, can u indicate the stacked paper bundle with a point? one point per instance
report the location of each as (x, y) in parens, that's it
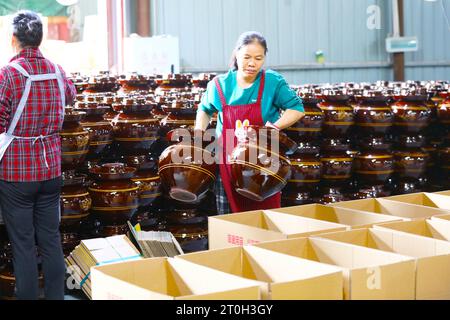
(155, 243)
(95, 252)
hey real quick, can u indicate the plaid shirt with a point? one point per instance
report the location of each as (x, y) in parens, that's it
(24, 160)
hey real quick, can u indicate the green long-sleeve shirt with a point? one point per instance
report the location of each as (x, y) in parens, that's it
(277, 96)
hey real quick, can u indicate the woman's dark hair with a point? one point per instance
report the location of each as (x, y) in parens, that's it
(245, 39)
(27, 28)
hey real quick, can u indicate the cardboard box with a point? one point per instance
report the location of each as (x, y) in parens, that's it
(281, 276)
(351, 218)
(424, 199)
(168, 279)
(445, 217)
(369, 274)
(262, 225)
(432, 256)
(398, 209)
(431, 228)
(444, 193)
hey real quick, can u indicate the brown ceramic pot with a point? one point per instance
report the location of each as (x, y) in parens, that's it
(410, 163)
(135, 82)
(74, 140)
(100, 130)
(149, 186)
(114, 196)
(258, 171)
(191, 237)
(135, 128)
(187, 171)
(338, 113)
(102, 82)
(411, 115)
(375, 163)
(310, 126)
(337, 164)
(373, 116)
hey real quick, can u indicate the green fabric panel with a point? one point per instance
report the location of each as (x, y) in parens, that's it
(45, 7)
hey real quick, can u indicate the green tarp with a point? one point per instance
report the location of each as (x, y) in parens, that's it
(47, 8)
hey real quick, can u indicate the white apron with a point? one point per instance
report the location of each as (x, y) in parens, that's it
(8, 137)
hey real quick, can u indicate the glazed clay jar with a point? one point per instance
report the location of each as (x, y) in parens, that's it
(115, 197)
(443, 110)
(102, 82)
(410, 163)
(192, 238)
(201, 81)
(306, 169)
(180, 114)
(186, 169)
(310, 126)
(375, 163)
(135, 128)
(337, 164)
(338, 113)
(100, 130)
(135, 82)
(411, 115)
(173, 81)
(74, 140)
(259, 171)
(149, 186)
(373, 116)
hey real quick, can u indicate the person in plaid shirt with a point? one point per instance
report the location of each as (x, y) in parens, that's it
(30, 169)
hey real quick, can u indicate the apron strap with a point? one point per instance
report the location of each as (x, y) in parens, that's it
(220, 91)
(31, 78)
(261, 86)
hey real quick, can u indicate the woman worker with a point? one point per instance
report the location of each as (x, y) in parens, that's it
(33, 94)
(247, 92)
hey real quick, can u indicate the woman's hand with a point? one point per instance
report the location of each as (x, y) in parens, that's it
(288, 118)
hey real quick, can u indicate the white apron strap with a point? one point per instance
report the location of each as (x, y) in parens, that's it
(23, 100)
(61, 90)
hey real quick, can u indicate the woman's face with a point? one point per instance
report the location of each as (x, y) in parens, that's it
(250, 59)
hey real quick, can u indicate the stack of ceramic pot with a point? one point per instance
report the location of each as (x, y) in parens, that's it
(411, 118)
(337, 164)
(374, 164)
(306, 167)
(74, 200)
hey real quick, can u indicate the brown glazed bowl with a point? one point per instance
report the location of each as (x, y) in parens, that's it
(74, 140)
(114, 196)
(443, 110)
(187, 171)
(257, 171)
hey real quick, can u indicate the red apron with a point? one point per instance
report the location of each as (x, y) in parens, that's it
(230, 114)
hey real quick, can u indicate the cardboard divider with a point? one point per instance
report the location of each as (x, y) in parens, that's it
(444, 193)
(368, 273)
(431, 228)
(432, 256)
(403, 210)
(168, 279)
(265, 225)
(351, 218)
(445, 217)
(281, 276)
(424, 199)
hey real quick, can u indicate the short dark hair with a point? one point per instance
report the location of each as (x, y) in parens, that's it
(27, 28)
(245, 39)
